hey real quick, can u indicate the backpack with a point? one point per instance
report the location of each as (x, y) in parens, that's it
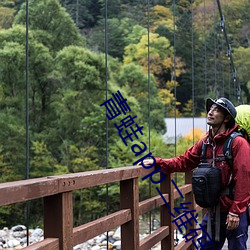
(243, 120)
(206, 179)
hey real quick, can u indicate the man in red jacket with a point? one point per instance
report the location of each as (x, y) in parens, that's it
(221, 115)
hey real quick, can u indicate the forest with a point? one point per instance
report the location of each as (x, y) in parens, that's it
(165, 58)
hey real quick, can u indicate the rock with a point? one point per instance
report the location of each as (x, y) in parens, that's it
(91, 242)
(13, 243)
(103, 243)
(111, 233)
(18, 228)
(117, 235)
(23, 240)
(38, 232)
(100, 238)
(3, 233)
(117, 244)
(96, 248)
(81, 246)
(18, 234)
(111, 240)
(18, 247)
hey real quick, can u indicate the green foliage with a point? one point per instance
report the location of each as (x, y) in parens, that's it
(242, 63)
(84, 13)
(118, 32)
(6, 17)
(13, 148)
(42, 162)
(143, 89)
(53, 25)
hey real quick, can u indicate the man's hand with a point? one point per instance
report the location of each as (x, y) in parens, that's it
(232, 222)
(147, 162)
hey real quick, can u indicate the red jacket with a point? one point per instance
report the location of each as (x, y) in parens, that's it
(241, 167)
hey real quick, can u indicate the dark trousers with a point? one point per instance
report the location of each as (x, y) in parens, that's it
(237, 238)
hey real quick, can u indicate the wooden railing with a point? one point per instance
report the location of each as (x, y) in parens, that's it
(56, 192)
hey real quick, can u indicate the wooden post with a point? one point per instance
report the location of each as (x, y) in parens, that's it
(190, 198)
(58, 219)
(166, 219)
(129, 197)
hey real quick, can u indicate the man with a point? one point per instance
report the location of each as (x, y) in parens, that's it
(221, 115)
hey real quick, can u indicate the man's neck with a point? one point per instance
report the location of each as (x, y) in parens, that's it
(216, 130)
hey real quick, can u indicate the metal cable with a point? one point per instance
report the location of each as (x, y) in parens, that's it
(205, 50)
(174, 74)
(175, 94)
(149, 182)
(106, 81)
(229, 54)
(27, 206)
(193, 93)
(215, 52)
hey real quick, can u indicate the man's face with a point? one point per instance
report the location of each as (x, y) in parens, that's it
(215, 116)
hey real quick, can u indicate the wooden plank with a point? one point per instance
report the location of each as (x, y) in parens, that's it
(190, 198)
(152, 203)
(185, 189)
(166, 220)
(24, 190)
(184, 245)
(98, 177)
(154, 238)
(129, 196)
(46, 244)
(89, 230)
(58, 219)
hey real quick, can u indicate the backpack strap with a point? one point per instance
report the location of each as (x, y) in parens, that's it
(227, 148)
(203, 152)
(227, 151)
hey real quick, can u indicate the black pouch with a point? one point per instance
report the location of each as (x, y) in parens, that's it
(206, 182)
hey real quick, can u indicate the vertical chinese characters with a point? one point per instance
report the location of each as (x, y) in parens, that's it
(128, 129)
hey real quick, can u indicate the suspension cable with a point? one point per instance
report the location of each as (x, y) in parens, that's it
(229, 54)
(106, 82)
(192, 76)
(174, 74)
(215, 51)
(205, 49)
(175, 94)
(27, 207)
(149, 182)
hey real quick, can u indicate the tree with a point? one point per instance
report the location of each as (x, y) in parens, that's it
(53, 25)
(118, 31)
(161, 57)
(161, 16)
(40, 60)
(242, 65)
(136, 82)
(6, 17)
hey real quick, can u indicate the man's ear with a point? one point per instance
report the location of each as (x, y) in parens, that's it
(228, 118)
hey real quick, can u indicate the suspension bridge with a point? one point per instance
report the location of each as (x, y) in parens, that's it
(56, 192)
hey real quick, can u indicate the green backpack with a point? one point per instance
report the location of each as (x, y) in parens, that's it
(243, 120)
